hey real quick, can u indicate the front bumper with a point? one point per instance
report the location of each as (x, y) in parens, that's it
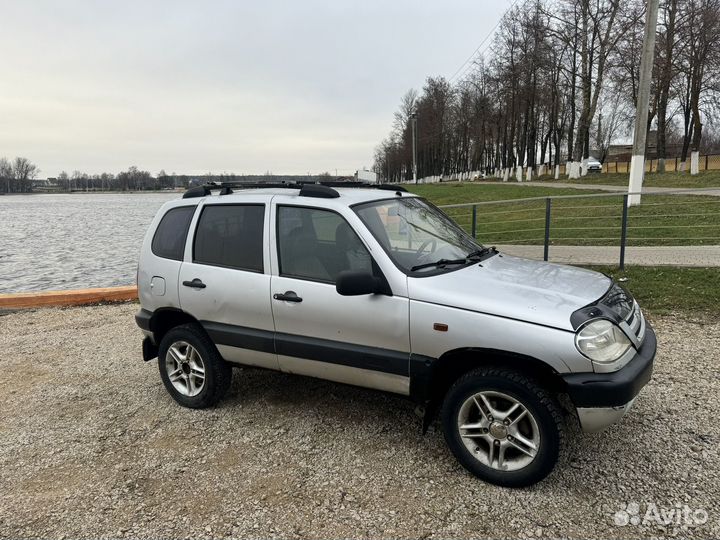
(601, 399)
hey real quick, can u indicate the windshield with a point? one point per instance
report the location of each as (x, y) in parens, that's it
(415, 234)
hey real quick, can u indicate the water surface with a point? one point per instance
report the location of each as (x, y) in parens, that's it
(64, 241)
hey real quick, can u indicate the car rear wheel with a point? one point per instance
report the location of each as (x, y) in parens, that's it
(502, 427)
(191, 369)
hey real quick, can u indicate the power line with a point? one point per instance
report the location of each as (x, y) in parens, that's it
(467, 64)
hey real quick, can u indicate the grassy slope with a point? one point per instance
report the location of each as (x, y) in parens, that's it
(669, 179)
(692, 292)
(660, 220)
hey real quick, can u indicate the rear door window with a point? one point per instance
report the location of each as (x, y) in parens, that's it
(170, 236)
(231, 236)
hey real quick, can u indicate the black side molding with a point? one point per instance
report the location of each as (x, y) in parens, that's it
(240, 336)
(346, 354)
(322, 350)
(617, 388)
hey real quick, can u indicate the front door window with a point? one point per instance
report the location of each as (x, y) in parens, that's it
(317, 245)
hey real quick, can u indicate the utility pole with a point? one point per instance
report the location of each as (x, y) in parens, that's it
(637, 164)
(413, 119)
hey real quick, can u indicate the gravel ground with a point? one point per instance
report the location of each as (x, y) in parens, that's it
(91, 445)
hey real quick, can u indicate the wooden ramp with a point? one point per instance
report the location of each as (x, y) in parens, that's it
(75, 297)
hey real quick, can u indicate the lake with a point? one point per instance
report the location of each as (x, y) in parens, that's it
(63, 241)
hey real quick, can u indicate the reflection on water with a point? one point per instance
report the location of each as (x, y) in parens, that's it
(64, 241)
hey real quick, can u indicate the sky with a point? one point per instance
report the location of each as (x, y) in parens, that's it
(284, 86)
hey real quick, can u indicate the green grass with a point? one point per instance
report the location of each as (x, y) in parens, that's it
(669, 179)
(661, 290)
(661, 220)
(456, 192)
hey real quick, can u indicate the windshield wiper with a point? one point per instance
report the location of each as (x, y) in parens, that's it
(481, 252)
(470, 257)
(441, 262)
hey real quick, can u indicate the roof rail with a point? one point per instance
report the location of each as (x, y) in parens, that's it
(307, 189)
(318, 190)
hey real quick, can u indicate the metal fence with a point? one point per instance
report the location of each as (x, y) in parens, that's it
(673, 218)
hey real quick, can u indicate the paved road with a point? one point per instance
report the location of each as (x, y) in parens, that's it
(605, 187)
(639, 256)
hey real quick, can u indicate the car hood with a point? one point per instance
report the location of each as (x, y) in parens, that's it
(538, 292)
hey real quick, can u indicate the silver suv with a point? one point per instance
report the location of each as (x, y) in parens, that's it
(379, 288)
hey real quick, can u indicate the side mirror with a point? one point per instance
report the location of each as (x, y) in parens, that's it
(352, 283)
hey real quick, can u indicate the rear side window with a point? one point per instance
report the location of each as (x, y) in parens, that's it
(231, 235)
(170, 236)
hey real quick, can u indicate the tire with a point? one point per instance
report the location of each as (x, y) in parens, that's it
(188, 349)
(516, 451)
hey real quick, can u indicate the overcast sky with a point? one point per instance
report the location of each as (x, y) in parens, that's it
(223, 86)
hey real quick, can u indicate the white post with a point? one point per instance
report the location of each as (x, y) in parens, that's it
(694, 162)
(414, 146)
(518, 173)
(570, 170)
(637, 163)
(557, 172)
(528, 176)
(637, 172)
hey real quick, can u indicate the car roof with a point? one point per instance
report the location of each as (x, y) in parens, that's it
(347, 196)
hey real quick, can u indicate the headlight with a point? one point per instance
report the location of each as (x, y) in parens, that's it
(602, 341)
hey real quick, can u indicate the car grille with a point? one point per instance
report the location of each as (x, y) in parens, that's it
(636, 322)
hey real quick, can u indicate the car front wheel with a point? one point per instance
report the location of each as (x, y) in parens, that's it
(502, 427)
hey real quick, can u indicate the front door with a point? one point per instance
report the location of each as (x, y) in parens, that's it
(360, 340)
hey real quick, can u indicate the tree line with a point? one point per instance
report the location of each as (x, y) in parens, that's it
(558, 83)
(20, 174)
(16, 176)
(133, 179)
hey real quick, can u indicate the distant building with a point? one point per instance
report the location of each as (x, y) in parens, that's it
(41, 183)
(366, 176)
(623, 152)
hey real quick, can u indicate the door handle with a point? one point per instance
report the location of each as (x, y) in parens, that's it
(195, 284)
(289, 296)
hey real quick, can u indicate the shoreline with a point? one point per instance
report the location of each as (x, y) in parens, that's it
(65, 298)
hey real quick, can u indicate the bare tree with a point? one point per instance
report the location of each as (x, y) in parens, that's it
(561, 75)
(666, 73)
(700, 51)
(24, 171)
(6, 174)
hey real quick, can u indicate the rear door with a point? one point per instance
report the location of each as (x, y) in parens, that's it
(360, 340)
(225, 279)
